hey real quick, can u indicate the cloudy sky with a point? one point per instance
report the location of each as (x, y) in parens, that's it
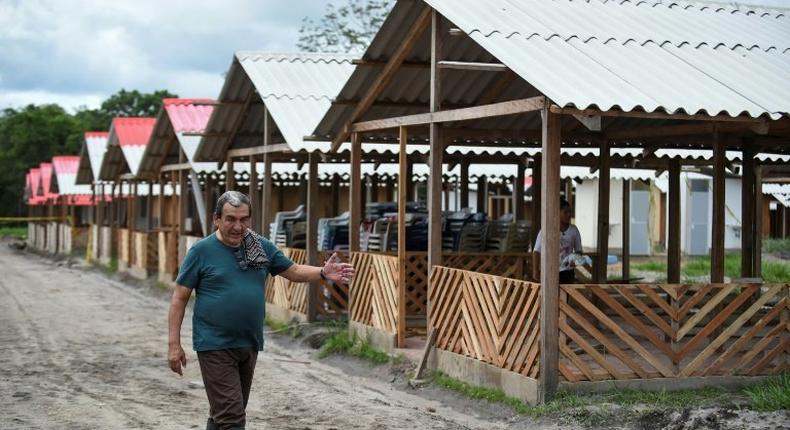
(78, 52)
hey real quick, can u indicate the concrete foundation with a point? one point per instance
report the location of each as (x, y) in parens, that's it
(381, 339)
(661, 384)
(478, 373)
(281, 314)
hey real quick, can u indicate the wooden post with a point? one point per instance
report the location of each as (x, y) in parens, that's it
(182, 201)
(747, 210)
(355, 193)
(626, 257)
(253, 193)
(549, 262)
(312, 232)
(208, 197)
(230, 178)
(537, 192)
(603, 212)
(717, 235)
(481, 194)
(518, 192)
(464, 184)
(131, 217)
(149, 208)
(673, 241)
(402, 181)
(161, 202)
(438, 32)
(410, 189)
(335, 194)
(267, 177)
(758, 221)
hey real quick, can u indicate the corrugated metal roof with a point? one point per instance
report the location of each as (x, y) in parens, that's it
(179, 117)
(649, 54)
(295, 88)
(94, 146)
(652, 55)
(66, 167)
(45, 186)
(125, 146)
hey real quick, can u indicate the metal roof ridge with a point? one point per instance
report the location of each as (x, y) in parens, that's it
(292, 57)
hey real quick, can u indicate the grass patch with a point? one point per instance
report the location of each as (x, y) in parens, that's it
(17, 232)
(562, 403)
(276, 325)
(776, 245)
(113, 266)
(771, 395)
(343, 343)
(775, 272)
(650, 266)
(700, 266)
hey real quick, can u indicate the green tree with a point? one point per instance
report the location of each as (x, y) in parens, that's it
(349, 27)
(134, 103)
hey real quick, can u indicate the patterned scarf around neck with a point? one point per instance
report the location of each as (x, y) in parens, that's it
(251, 254)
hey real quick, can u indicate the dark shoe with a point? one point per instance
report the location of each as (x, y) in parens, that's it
(211, 425)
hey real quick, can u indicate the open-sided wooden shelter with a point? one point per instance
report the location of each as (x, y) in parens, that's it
(584, 74)
(92, 151)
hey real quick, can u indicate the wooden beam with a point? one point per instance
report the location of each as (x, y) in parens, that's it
(402, 259)
(473, 66)
(387, 73)
(549, 262)
(604, 182)
(673, 241)
(747, 210)
(758, 222)
(518, 192)
(626, 243)
(312, 232)
(403, 64)
(131, 215)
(230, 175)
(510, 107)
(149, 208)
(438, 27)
(464, 184)
(355, 193)
(258, 150)
(175, 167)
(653, 115)
(536, 191)
(239, 121)
(253, 193)
(266, 193)
(719, 204)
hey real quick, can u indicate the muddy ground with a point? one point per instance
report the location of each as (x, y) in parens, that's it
(83, 350)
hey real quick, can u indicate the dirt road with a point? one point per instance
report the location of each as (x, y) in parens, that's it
(79, 351)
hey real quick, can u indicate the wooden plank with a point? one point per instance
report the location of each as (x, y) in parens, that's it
(717, 234)
(673, 241)
(266, 197)
(589, 349)
(549, 262)
(758, 222)
(387, 73)
(626, 243)
(465, 184)
(253, 193)
(313, 205)
(355, 193)
(438, 27)
(536, 191)
(175, 167)
(472, 66)
(604, 182)
(402, 199)
(518, 194)
(654, 115)
(230, 178)
(510, 107)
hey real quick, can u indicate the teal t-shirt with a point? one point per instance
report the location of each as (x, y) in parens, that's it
(230, 302)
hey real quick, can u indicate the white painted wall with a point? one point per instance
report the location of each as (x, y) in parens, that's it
(586, 212)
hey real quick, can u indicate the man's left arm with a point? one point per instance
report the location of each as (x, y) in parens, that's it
(333, 270)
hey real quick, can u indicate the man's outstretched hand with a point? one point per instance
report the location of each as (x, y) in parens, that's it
(337, 271)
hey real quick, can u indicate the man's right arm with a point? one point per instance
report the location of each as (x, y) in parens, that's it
(176, 357)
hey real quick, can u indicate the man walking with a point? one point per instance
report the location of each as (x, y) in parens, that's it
(228, 271)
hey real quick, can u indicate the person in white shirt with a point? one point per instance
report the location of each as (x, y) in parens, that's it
(570, 247)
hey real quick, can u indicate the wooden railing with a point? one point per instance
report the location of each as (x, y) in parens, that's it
(618, 332)
(663, 331)
(332, 298)
(488, 318)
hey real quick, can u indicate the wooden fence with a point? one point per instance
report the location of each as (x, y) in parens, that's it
(488, 318)
(616, 331)
(332, 298)
(375, 287)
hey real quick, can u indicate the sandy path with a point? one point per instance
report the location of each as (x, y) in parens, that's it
(79, 351)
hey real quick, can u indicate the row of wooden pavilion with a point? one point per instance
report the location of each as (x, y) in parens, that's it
(449, 86)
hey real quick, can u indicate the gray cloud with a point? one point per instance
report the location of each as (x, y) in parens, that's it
(92, 48)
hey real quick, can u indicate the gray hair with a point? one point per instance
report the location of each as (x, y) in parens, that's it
(234, 198)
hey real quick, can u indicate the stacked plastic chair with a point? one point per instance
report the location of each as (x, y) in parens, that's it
(283, 224)
(333, 233)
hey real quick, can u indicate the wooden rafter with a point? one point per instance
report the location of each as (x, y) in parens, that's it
(386, 75)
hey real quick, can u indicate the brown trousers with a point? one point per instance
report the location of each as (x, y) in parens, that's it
(227, 376)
